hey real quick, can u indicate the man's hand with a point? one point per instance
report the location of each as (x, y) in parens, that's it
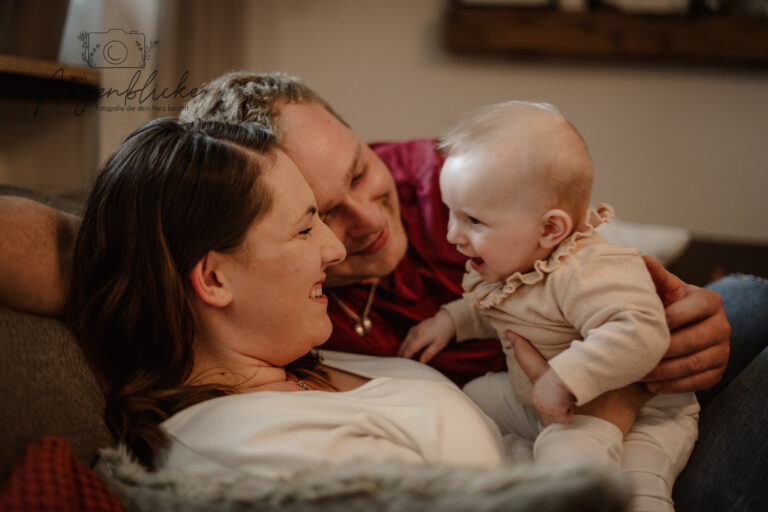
(433, 333)
(700, 342)
(552, 398)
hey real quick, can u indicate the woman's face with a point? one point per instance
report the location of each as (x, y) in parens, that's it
(278, 273)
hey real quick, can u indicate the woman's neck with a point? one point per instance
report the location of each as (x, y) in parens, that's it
(244, 377)
(229, 368)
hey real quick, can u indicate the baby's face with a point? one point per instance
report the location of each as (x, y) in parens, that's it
(495, 219)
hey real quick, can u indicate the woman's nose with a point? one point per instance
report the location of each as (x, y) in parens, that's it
(332, 250)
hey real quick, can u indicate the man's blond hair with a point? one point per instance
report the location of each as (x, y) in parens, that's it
(243, 97)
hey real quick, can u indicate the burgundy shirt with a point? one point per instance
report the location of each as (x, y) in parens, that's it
(429, 275)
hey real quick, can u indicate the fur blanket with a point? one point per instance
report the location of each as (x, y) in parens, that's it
(388, 487)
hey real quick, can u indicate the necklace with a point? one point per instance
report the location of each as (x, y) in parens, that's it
(363, 324)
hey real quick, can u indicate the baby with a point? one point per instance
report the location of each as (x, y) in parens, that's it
(517, 181)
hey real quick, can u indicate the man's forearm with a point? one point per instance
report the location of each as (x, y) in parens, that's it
(36, 244)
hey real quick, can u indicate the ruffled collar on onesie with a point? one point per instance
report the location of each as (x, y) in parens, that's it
(487, 295)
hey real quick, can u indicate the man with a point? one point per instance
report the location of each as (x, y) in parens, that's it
(363, 192)
(376, 199)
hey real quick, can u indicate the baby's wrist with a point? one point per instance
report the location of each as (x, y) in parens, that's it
(447, 320)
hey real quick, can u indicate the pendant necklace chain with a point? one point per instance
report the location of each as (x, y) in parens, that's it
(363, 324)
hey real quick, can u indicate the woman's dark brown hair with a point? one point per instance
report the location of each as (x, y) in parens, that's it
(171, 193)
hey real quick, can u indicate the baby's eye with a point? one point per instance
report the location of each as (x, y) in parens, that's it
(474, 220)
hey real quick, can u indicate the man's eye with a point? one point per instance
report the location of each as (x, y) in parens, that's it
(327, 215)
(357, 177)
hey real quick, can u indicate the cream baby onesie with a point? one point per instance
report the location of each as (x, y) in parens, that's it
(592, 311)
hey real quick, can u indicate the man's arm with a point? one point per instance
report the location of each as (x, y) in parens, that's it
(700, 342)
(36, 248)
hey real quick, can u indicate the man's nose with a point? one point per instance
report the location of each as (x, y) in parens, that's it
(365, 217)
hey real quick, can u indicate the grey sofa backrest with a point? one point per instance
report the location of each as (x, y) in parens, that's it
(47, 389)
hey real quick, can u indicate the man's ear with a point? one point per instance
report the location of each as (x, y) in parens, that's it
(556, 225)
(209, 281)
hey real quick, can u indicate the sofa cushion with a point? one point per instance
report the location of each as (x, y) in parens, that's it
(49, 478)
(48, 389)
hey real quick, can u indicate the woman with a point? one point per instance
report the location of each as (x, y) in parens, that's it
(197, 296)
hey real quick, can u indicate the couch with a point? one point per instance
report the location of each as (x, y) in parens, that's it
(47, 386)
(53, 432)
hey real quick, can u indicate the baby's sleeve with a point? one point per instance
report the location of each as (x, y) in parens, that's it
(470, 323)
(610, 298)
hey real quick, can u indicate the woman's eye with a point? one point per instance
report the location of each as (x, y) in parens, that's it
(305, 231)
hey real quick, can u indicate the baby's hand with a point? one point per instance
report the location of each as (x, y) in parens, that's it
(433, 333)
(552, 398)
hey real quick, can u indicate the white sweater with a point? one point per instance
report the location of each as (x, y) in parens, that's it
(408, 412)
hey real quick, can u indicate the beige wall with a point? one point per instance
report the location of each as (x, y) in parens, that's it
(53, 151)
(672, 144)
(58, 150)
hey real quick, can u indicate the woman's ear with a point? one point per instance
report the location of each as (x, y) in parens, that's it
(556, 225)
(209, 281)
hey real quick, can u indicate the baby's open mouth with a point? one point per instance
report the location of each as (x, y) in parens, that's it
(476, 261)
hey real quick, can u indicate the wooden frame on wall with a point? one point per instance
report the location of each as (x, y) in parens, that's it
(606, 34)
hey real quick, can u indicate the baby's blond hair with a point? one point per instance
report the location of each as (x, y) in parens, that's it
(536, 135)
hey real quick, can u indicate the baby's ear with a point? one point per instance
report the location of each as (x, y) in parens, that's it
(556, 225)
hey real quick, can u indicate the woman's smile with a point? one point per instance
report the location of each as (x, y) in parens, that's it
(317, 293)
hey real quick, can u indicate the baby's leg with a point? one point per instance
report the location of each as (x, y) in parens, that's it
(518, 424)
(657, 447)
(582, 438)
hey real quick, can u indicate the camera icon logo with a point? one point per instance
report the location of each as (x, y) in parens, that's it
(116, 48)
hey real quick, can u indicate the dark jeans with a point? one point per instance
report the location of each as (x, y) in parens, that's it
(728, 469)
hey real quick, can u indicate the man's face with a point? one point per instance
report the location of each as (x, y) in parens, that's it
(355, 192)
